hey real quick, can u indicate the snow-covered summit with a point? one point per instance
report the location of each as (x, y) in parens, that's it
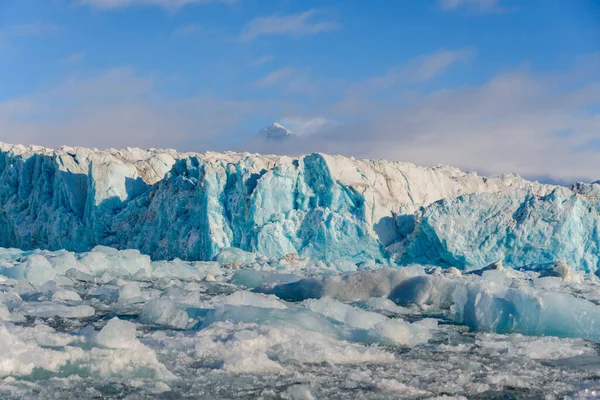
(275, 131)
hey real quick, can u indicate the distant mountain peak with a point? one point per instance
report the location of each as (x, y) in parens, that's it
(275, 131)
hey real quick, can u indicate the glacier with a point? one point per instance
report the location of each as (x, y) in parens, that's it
(191, 206)
(157, 274)
(522, 228)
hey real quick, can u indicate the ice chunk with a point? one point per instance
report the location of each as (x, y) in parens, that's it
(130, 293)
(122, 354)
(105, 293)
(491, 302)
(378, 326)
(383, 305)
(118, 334)
(122, 262)
(299, 392)
(544, 348)
(248, 278)
(185, 270)
(491, 306)
(165, 312)
(345, 266)
(406, 391)
(10, 299)
(38, 270)
(564, 271)
(243, 298)
(4, 313)
(35, 268)
(65, 295)
(354, 317)
(231, 255)
(251, 278)
(351, 287)
(49, 309)
(252, 348)
(21, 358)
(78, 275)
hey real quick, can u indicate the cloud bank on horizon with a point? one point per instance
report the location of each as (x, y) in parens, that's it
(490, 85)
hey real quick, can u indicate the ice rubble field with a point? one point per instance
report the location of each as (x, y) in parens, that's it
(116, 324)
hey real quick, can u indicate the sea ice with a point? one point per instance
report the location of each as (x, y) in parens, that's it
(273, 327)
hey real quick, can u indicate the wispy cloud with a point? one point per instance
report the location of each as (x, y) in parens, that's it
(168, 4)
(290, 79)
(303, 126)
(37, 28)
(116, 108)
(276, 76)
(418, 70)
(262, 60)
(73, 58)
(434, 65)
(492, 6)
(533, 123)
(187, 30)
(306, 23)
(507, 124)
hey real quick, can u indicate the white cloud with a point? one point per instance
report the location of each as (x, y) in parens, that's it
(288, 78)
(424, 68)
(419, 70)
(302, 24)
(168, 4)
(119, 108)
(187, 30)
(306, 126)
(514, 122)
(262, 60)
(477, 5)
(73, 58)
(276, 76)
(37, 28)
(434, 65)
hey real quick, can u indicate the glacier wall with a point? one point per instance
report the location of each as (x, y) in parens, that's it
(520, 227)
(189, 205)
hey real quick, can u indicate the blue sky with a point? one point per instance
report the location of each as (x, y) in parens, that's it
(491, 85)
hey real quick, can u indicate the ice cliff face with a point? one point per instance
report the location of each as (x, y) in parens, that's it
(186, 205)
(520, 227)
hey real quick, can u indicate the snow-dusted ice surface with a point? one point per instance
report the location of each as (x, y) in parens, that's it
(114, 324)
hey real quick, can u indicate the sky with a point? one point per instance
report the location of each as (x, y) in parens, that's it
(493, 86)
